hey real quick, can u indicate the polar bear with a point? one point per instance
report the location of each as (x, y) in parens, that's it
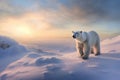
(86, 43)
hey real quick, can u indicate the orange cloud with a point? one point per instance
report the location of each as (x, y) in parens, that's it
(45, 24)
(30, 26)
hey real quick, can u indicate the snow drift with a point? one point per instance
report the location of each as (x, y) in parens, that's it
(9, 47)
(111, 45)
(56, 65)
(10, 51)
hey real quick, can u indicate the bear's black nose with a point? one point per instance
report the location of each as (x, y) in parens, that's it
(73, 36)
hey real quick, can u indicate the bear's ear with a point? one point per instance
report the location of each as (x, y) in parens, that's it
(73, 32)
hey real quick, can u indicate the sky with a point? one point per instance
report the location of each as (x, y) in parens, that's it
(54, 19)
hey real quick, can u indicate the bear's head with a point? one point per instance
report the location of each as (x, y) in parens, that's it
(79, 36)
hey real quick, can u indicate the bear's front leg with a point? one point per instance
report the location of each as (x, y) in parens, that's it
(86, 51)
(80, 51)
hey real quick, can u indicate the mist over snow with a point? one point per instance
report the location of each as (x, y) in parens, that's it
(58, 61)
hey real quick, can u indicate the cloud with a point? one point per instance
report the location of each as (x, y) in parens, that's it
(76, 11)
(37, 24)
(54, 16)
(99, 9)
(8, 9)
(91, 9)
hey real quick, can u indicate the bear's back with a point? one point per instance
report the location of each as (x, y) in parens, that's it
(93, 38)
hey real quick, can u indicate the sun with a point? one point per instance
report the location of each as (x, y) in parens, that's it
(23, 31)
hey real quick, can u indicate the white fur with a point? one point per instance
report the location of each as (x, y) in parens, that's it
(85, 42)
(93, 39)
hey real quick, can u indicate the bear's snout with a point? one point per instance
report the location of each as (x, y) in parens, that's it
(74, 36)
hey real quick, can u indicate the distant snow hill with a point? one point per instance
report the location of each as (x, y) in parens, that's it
(10, 51)
(111, 45)
(46, 65)
(10, 47)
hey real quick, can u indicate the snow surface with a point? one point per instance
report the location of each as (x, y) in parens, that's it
(111, 45)
(63, 63)
(11, 53)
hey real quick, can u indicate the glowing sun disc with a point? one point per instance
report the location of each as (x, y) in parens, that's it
(22, 31)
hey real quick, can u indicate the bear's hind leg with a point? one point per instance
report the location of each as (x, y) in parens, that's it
(97, 47)
(92, 51)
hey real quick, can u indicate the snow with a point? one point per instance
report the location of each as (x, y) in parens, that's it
(13, 48)
(56, 63)
(111, 45)
(11, 53)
